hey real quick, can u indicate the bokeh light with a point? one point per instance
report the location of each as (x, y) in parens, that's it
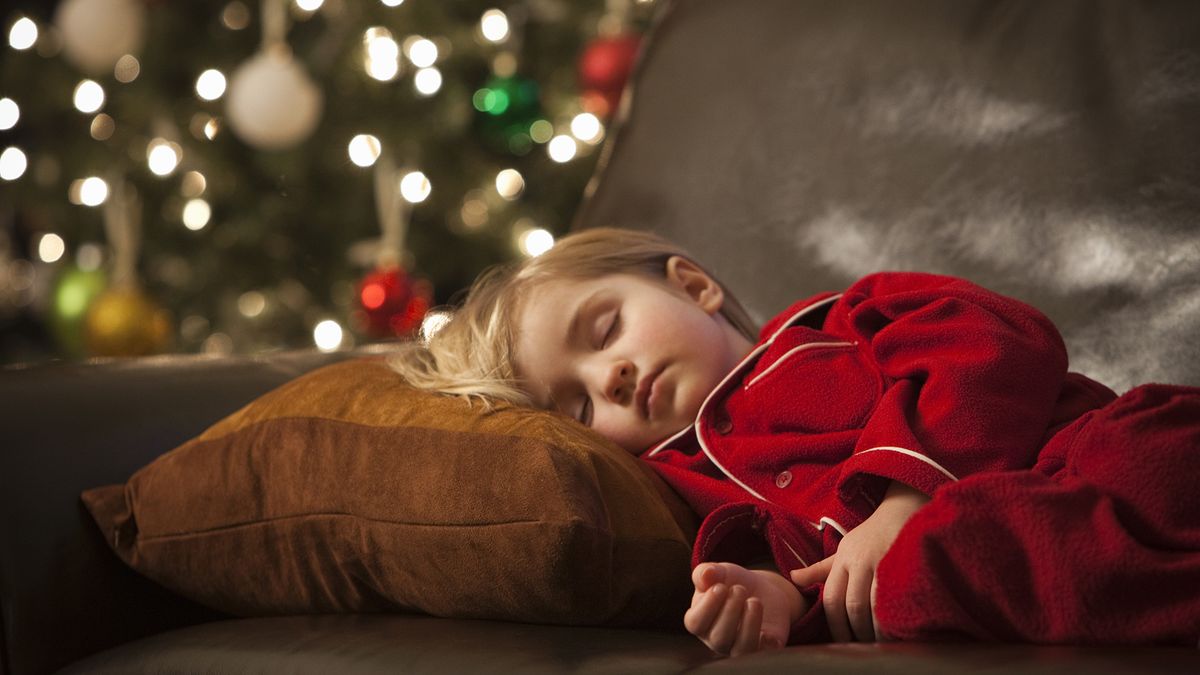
(51, 248)
(196, 214)
(428, 81)
(562, 148)
(23, 34)
(422, 52)
(210, 86)
(12, 163)
(327, 335)
(510, 183)
(89, 96)
(10, 113)
(364, 149)
(494, 25)
(162, 156)
(415, 187)
(535, 241)
(93, 191)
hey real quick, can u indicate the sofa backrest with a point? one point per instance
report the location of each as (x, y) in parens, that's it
(66, 428)
(1048, 150)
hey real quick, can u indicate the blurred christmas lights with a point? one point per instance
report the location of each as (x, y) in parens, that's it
(421, 51)
(549, 118)
(210, 86)
(91, 191)
(193, 184)
(364, 149)
(510, 184)
(427, 81)
(415, 187)
(562, 148)
(12, 163)
(23, 34)
(10, 113)
(127, 69)
(535, 241)
(327, 335)
(381, 57)
(51, 248)
(89, 96)
(494, 25)
(162, 156)
(196, 213)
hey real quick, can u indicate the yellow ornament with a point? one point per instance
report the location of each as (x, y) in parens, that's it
(125, 322)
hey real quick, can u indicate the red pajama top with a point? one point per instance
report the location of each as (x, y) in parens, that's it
(919, 378)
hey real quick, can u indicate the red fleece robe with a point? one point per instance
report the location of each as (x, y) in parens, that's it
(919, 378)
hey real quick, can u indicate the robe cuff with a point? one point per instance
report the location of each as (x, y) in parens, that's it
(749, 532)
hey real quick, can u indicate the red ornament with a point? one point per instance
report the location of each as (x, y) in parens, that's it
(605, 66)
(392, 303)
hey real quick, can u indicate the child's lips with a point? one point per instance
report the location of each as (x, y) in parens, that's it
(647, 393)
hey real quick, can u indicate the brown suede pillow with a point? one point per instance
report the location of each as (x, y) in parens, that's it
(346, 490)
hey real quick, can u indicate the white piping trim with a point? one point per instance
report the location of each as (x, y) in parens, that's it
(917, 455)
(670, 439)
(695, 424)
(750, 358)
(779, 361)
(788, 324)
(834, 524)
(725, 471)
(792, 551)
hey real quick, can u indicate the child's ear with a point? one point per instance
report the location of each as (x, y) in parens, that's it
(688, 277)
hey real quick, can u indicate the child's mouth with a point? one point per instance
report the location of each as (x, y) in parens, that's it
(647, 393)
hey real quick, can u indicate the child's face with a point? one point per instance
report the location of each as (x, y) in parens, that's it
(630, 356)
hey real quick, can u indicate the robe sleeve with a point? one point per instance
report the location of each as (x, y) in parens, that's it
(971, 381)
(746, 533)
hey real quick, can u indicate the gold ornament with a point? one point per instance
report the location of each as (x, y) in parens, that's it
(125, 322)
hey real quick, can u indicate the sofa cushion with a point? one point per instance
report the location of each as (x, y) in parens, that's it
(345, 490)
(316, 645)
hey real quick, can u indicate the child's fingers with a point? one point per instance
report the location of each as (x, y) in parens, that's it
(813, 574)
(724, 629)
(704, 610)
(705, 575)
(858, 604)
(833, 598)
(750, 630)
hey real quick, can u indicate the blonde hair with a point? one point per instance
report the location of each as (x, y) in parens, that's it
(472, 355)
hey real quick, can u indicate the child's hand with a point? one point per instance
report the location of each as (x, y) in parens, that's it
(738, 611)
(849, 574)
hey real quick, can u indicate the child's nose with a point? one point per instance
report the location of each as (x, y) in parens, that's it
(620, 383)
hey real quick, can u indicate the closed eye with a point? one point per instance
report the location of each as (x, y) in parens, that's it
(612, 331)
(585, 411)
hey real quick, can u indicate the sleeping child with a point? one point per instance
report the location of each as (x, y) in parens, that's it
(909, 459)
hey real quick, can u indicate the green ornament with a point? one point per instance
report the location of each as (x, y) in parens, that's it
(74, 291)
(507, 107)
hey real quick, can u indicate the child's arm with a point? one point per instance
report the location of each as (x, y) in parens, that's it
(849, 574)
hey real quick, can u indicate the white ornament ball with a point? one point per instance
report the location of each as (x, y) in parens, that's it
(272, 103)
(96, 33)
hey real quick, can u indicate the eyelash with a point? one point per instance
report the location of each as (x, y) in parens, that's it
(612, 329)
(585, 411)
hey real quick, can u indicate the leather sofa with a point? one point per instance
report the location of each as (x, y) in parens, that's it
(1048, 150)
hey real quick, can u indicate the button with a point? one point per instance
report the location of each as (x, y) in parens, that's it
(722, 425)
(783, 480)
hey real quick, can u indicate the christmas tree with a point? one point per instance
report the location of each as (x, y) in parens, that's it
(246, 176)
